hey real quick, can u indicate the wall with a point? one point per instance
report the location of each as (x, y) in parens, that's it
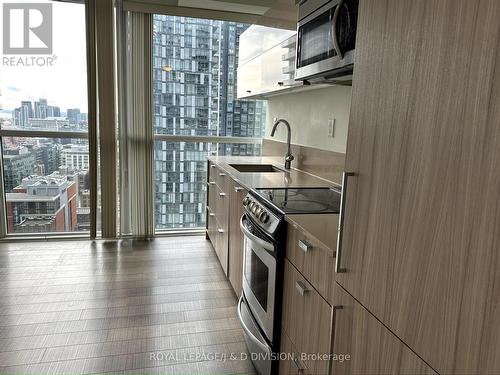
(308, 113)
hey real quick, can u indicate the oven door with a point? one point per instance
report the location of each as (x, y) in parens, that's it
(259, 276)
(326, 40)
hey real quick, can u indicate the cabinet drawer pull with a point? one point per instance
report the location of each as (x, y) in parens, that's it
(338, 255)
(211, 182)
(222, 174)
(297, 364)
(301, 287)
(212, 165)
(305, 245)
(238, 188)
(220, 230)
(332, 335)
(222, 194)
(211, 214)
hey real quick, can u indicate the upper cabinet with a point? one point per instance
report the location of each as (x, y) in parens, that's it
(421, 240)
(266, 61)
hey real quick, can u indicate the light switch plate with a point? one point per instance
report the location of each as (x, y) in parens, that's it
(331, 127)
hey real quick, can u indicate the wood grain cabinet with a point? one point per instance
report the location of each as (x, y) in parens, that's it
(218, 212)
(224, 210)
(290, 363)
(210, 211)
(211, 226)
(421, 232)
(236, 195)
(371, 347)
(313, 260)
(306, 320)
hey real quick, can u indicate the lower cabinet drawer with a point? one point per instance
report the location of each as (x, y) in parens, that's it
(306, 319)
(290, 363)
(221, 246)
(222, 207)
(314, 261)
(212, 194)
(220, 177)
(211, 226)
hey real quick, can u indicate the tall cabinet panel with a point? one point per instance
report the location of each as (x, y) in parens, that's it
(421, 239)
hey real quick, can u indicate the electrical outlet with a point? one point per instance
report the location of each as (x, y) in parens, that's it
(331, 127)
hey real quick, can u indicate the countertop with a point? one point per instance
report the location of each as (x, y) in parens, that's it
(291, 178)
(321, 227)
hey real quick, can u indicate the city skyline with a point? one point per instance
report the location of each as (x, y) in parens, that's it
(49, 103)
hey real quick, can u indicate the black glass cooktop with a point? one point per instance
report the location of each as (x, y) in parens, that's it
(302, 200)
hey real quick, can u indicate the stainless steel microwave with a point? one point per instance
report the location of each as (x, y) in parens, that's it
(326, 39)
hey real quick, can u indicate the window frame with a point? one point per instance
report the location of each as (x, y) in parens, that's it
(90, 135)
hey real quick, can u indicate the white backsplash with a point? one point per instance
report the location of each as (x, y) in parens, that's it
(308, 113)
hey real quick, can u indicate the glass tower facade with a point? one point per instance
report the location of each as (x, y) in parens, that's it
(194, 94)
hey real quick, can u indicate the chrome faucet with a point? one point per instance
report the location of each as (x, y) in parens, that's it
(288, 156)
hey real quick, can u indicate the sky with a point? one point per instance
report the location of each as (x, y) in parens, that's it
(65, 83)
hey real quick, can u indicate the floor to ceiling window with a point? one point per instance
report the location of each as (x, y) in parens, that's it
(196, 112)
(43, 118)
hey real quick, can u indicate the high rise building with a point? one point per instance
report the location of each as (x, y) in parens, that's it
(53, 111)
(16, 117)
(194, 93)
(73, 115)
(18, 162)
(25, 113)
(41, 107)
(47, 154)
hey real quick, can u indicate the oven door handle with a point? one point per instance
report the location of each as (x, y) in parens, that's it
(247, 330)
(266, 245)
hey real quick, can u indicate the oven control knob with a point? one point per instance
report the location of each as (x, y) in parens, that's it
(246, 200)
(255, 208)
(258, 211)
(250, 205)
(264, 217)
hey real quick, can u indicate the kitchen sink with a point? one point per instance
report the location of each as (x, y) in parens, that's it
(256, 168)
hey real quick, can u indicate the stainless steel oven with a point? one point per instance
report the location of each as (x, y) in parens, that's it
(264, 227)
(259, 275)
(259, 308)
(326, 37)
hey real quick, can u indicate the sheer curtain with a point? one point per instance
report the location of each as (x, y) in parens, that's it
(136, 145)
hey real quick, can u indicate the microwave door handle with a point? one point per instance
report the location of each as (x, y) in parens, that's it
(336, 44)
(266, 245)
